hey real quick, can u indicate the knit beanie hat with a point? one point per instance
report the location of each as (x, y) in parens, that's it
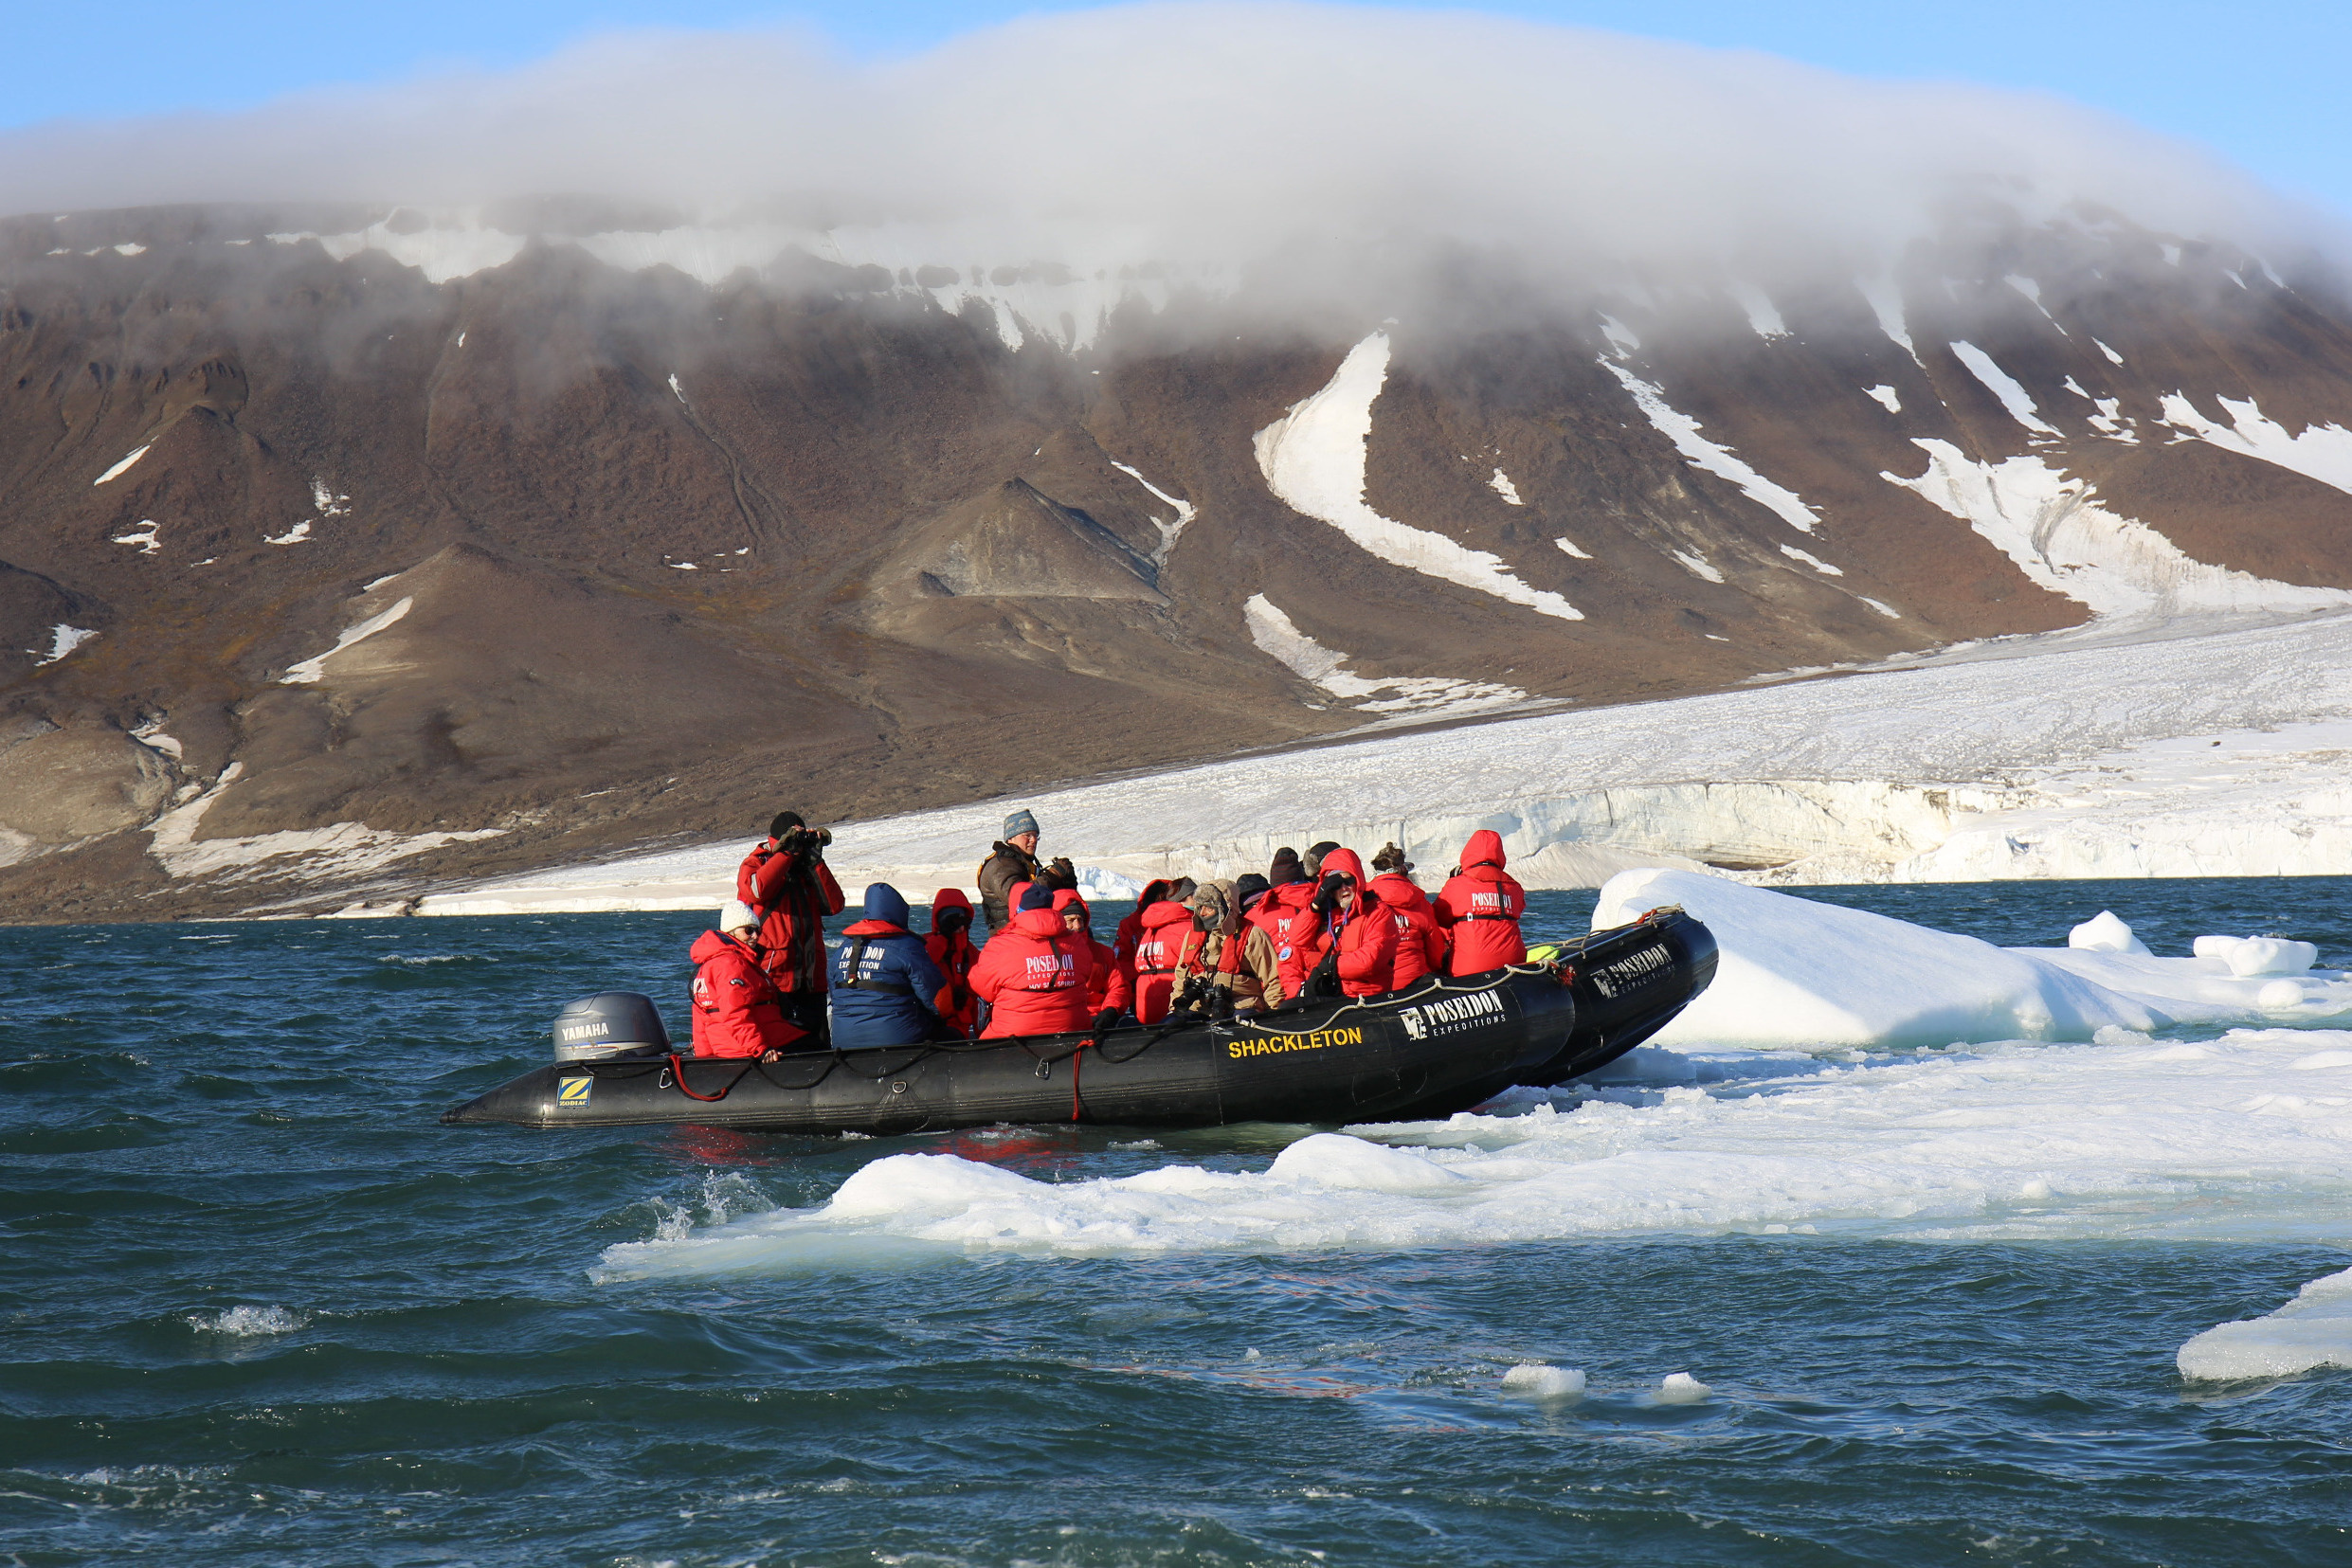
(1024, 820)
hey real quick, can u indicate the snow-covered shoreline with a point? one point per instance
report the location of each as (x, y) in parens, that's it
(2127, 752)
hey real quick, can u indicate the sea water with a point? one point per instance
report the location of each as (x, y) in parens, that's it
(260, 1308)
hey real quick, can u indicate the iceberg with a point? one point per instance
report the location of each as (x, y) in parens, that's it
(1798, 974)
(2311, 1331)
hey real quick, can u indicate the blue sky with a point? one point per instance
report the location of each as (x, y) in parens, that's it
(2266, 85)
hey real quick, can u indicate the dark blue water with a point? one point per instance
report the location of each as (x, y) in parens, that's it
(261, 1309)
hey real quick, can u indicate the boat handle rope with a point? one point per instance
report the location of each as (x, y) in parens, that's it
(677, 1080)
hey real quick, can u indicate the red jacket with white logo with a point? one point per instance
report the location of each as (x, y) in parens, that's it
(794, 893)
(1033, 976)
(1298, 932)
(1420, 941)
(1481, 909)
(737, 1012)
(1160, 959)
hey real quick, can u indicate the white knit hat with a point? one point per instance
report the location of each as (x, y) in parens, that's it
(735, 914)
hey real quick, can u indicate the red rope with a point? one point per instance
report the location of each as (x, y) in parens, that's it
(677, 1075)
(1075, 1057)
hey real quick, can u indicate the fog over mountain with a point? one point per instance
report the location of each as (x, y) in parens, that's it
(1325, 139)
(407, 484)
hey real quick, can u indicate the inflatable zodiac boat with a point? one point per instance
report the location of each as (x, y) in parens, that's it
(1441, 1045)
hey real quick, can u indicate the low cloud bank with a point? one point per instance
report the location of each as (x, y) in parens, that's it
(1214, 134)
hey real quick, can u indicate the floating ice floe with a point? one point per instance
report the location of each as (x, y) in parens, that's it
(2311, 1331)
(1799, 974)
(1535, 1380)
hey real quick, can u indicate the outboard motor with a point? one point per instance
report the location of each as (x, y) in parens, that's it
(611, 1023)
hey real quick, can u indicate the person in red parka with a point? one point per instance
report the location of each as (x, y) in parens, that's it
(949, 945)
(1159, 959)
(1480, 908)
(1132, 929)
(1033, 973)
(1109, 987)
(785, 878)
(737, 1012)
(1357, 936)
(1420, 941)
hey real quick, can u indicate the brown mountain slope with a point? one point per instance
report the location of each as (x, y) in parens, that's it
(319, 574)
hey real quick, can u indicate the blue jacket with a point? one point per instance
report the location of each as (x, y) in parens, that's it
(885, 986)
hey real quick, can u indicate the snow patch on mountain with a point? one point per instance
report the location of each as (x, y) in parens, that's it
(2322, 452)
(1314, 460)
(1684, 432)
(1885, 298)
(1762, 315)
(119, 469)
(1170, 527)
(339, 849)
(63, 640)
(1277, 638)
(2059, 535)
(2004, 386)
(143, 536)
(1500, 484)
(309, 671)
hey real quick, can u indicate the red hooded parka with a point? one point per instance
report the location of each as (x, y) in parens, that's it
(1420, 941)
(1160, 958)
(1033, 976)
(794, 893)
(736, 1011)
(1481, 909)
(956, 955)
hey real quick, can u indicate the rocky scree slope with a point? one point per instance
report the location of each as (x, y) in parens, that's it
(346, 551)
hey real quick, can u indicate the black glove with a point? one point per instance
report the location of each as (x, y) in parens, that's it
(1195, 988)
(795, 840)
(1104, 1019)
(823, 837)
(1062, 873)
(1327, 896)
(955, 921)
(1220, 1001)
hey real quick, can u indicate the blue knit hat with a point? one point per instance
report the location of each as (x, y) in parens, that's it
(1024, 820)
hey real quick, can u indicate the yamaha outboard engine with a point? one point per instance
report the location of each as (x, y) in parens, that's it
(611, 1023)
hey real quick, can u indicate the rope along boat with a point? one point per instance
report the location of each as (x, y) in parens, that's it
(1441, 1045)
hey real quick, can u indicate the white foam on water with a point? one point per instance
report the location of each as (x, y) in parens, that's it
(2129, 1139)
(2311, 1331)
(247, 1322)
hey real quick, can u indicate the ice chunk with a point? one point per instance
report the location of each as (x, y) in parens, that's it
(2105, 934)
(1680, 1388)
(2258, 955)
(1314, 460)
(1797, 973)
(1334, 1160)
(1683, 431)
(1534, 1381)
(2313, 1330)
(2280, 995)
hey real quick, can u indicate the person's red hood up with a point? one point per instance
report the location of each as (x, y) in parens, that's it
(1344, 862)
(1037, 923)
(1399, 891)
(948, 898)
(1484, 849)
(1153, 892)
(711, 944)
(1164, 913)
